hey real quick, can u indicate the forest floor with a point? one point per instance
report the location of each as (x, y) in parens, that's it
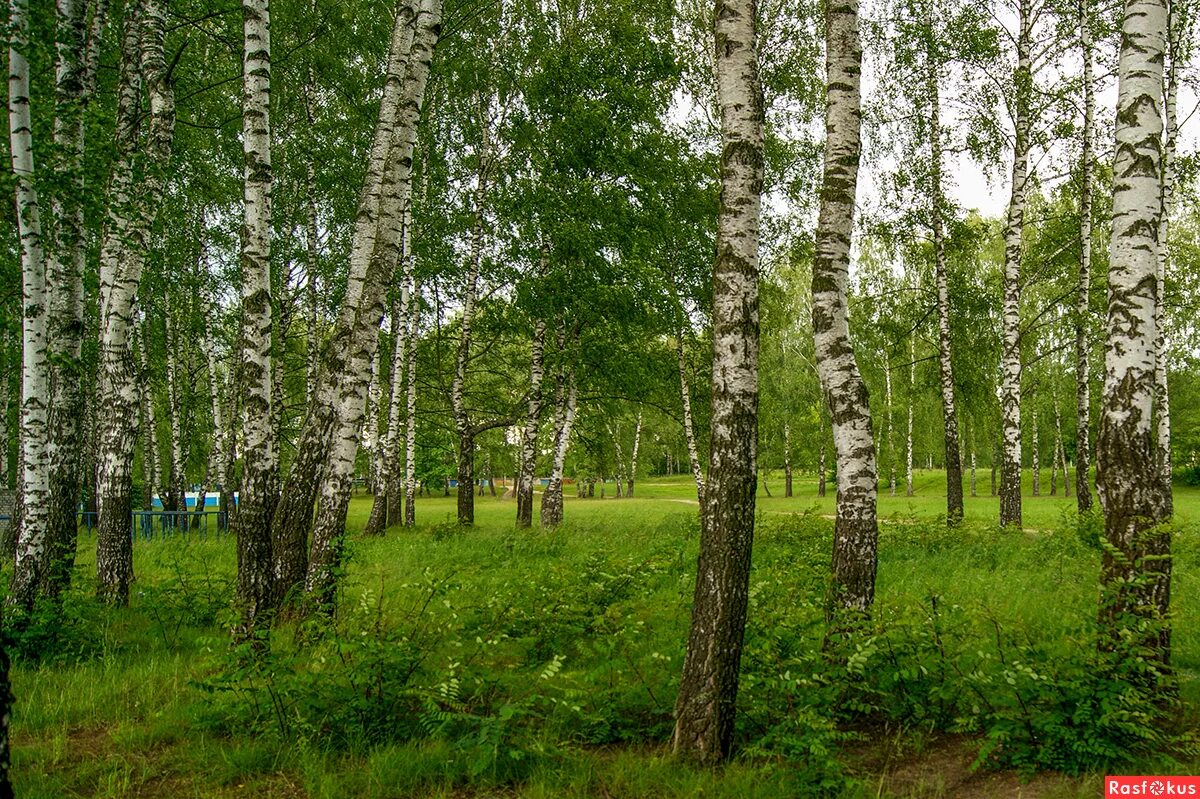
(495, 663)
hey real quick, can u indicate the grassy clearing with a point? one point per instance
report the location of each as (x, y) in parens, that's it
(499, 663)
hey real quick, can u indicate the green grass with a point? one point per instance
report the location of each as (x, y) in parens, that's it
(130, 709)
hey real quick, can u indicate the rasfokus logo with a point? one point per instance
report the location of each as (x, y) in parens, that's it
(1151, 786)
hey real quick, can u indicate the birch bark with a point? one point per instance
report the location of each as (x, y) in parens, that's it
(1010, 384)
(954, 488)
(124, 246)
(1162, 397)
(856, 529)
(528, 452)
(1083, 397)
(330, 525)
(689, 430)
(32, 544)
(294, 513)
(1126, 457)
(705, 707)
(260, 458)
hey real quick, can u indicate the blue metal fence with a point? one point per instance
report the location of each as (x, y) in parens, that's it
(150, 524)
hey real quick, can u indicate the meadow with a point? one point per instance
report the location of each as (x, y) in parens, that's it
(492, 662)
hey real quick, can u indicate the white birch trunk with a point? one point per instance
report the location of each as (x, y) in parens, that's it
(1126, 456)
(1010, 383)
(124, 246)
(908, 441)
(1083, 396)
(689, 430)
(260, 458)
(633, 457)
(564, 419)
(704, 709)
(292, 519)
(1035, 460)
(335, 489)
(32, 545)
(1162, 399)
(410, 414)
(891, 432)
(529, 435)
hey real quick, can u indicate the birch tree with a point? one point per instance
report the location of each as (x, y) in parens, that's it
(1010, 381)
(32, 545)
(1083, 391)
(855, 529)
(256, 502)
(124, 247)
(705, 707)
(1135, 571)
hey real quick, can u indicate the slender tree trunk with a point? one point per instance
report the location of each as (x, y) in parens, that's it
(32, 543)
(528, 453)
(260, 457)
(1083, 397)
(689, 430)
(855, 530)
(1010, 385)
(912, 390)
(954, 492)
(891, 431)
(330, 526)
(74, 83)
(132, 207)
(176, 491)
(294, 513)
(706, 705)
(401, 346)
(787, 459)
(821, 467)
(564, 418)
(462, 420)
(973, 493)
(149, 424)
(382, 511)
(1035, 460)
(1134, 587)
(633, 458)
(1162, 401)
(410, 420)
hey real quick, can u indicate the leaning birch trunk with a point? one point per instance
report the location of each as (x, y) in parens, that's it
(410, 415)
(293, 515)
(954, 488)
(891, 433)
(1035, 462)
(74, 84)
(1162, 401)
(908, 441)
(973, 491)
(633, 456)
(370, 429)
(32, 545)
(706, 704)
(462, 358)
(1133, 587)
(689, 430)
(855, 529)
(176, 492)
(378, 520)
(260, 459)
(312, 280)
(1010, 381)
(124, 245)
(787, 459)
(564, 418)
(148, 421)
(216, 453)
(528, 452)
(1083, 396)
(329, 529)
(400, 347)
